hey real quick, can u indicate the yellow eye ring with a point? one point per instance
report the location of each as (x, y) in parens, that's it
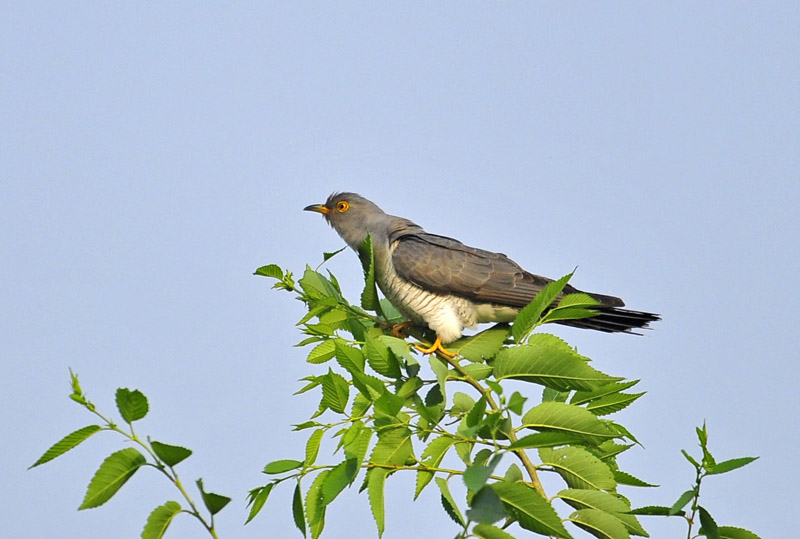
(342, 206)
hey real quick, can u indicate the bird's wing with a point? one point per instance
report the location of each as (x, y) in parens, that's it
(447, 266)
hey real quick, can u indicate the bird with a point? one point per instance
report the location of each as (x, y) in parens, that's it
(441, 283)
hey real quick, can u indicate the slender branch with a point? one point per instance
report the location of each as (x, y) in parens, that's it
(512, 437)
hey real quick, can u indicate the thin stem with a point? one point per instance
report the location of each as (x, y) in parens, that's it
(512, 437)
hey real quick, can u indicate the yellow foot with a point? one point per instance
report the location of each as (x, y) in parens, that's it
(399, 330)
(434, 348)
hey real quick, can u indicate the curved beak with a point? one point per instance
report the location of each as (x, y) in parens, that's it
(319, 208)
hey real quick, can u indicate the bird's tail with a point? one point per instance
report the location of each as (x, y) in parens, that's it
(614, 320)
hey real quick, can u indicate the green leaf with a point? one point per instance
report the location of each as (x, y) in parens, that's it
(548, 361)
(297, 509)
(475, 476)
(66, 443)
(528, 316)
(545, 439)
(115, 470)
(513, 474)
(375, 486)
(159, 520)
(335, 391)
(328, 256)
(280, 466)
(357, 444)
(729, 465)
(582, 397)
(369, 297)
(691, 459)
(651, 510)
(432, 456)
(477, 412)
(612, 403)
(579, 468)
(624, 478)
(567, 419)
(323, 352)
(449, 503)
(599, 523)
(320, 306)
(170, 454)
(272, 270)
(439, 368)
(256, 500)
(731, 532)
(394, 447)
(315, 507)
(486, 506)
(708, 526)
(681, 502)
(312, 446)
(462, 403)
(478, 371)
(349, 357)
(341, 475)
(487, 531)
(213, 502)
(317, 286)
(132, 405)
(516, 402)
(528, 507)
(380, 359)
(612, 504)
(483, 345)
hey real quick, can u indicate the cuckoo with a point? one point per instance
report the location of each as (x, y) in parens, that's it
(448, 286)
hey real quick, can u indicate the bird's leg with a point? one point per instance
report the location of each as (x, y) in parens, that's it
(435, 347)
(399, 330)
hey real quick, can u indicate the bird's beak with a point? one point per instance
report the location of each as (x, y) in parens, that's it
(319, 208)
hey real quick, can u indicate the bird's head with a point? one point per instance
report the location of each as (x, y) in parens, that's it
(351, 216)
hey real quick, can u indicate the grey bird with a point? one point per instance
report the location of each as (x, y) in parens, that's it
(448, 286)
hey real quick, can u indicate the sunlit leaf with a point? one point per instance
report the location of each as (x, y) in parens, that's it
(527, 506)
(132, 405)
(66, 443)
(158, 521)
(112, 474)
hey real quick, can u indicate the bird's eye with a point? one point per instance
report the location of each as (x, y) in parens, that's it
(342, 206)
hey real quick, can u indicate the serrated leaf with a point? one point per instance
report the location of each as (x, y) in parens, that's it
(312, 446)
(582, 397)
(170, 455)
(132, 405)
(449, 503)
(546, 439)
(528, 316)
(475, 415)
(320, 306)
(66, 443)
(612, 403)
(369, 296)
(487, 531)
(681, 502)
(335, 391)
(516, 402)
(271, 270)
(394, 447)
(579, 468)
(729, 465)
(599, 523)
(328, 256)
(283, 465)
(115, 470)
(375, 486)
(341, 475)
(609, 503)
(380, 359)
(256, 500)
(213, 502)
(483, 345)
(731, 532)
(297, 509)
(432, 456)
(486, 506)
(349, 357)
(322, 352)
(159, 520)
(567, 419)
(654, 510)
(315, 508)
(531, 511)
(708, 526)
(478, 371)
(475, 476)
(624, 478)
(548, 361)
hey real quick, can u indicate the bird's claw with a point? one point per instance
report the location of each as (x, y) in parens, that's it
(434, 348)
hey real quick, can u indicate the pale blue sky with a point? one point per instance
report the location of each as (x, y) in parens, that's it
(152, 156)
